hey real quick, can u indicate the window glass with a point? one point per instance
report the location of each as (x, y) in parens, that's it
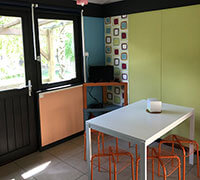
(12, 72)
(57, 50)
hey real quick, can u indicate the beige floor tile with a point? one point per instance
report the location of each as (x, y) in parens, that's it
(102, 175)
(78, 162)
(192, 174)
(60, 171)
(65, 150)
(173, 176)
(36, 159)
(78, 140)
(84, 177)
(125, 174)
(11, 172)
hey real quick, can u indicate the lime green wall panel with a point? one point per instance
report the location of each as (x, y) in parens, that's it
(164, 59)
(145, 54)
(181, 60)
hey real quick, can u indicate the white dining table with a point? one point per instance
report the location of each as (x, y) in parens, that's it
(133, 123)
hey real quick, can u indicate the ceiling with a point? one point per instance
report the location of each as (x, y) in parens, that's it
(103, 1)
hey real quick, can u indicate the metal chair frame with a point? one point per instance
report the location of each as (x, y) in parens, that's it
(155, 155)
(176, 140)
(112, 159)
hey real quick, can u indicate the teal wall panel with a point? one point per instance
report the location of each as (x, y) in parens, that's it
(95, 45)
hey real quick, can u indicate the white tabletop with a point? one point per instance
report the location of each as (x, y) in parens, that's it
(134, 121)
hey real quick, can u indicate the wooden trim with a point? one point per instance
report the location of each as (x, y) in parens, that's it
(84, 96)
(104, 94)
(105, 84)
(61, 141)
(125, 94)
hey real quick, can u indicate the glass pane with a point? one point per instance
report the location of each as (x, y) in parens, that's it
(12, 72)
(57, 50)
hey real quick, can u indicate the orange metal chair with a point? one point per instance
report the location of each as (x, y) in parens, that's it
(99, 134)
(182, 144)
(99, 143)
(113, 155)
(98, 137)
(164, 159)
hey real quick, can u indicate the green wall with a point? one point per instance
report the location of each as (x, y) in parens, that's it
(164, 59)
(144, 55)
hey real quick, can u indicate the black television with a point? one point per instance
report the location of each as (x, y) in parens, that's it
(101, 73)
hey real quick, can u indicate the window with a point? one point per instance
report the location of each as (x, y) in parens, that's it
(57, 50)
(12, 71)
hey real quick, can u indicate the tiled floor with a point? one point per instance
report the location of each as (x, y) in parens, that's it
(65, 162)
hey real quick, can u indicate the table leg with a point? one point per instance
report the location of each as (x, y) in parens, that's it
(143, 161)
(89, 149)
(192, 132)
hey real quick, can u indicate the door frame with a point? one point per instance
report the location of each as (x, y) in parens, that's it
(30, 74)
(61, 15)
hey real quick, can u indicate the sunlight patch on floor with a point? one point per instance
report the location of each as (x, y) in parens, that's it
(35, 170)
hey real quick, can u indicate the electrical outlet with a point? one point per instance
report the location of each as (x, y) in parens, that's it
(87, 54)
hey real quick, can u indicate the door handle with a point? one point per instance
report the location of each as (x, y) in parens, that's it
(29, 88)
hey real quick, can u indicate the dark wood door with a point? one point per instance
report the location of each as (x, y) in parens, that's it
(17, 129)
(17, 69)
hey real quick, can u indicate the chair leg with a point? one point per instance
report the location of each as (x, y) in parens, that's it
(132, 168)
(85, 146)
(159, 150)
(165, 178)
(152, 168)
(137, 161)
(184, 167)
(102, 138)
(172, 153)
(136, 152)
(179, 171)
(115, 171)
(117, 149)
(92, 168)
(110, 174)
(99, 160)
(164, 173)
(152, 161)
(136, 169)
(197, 159)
